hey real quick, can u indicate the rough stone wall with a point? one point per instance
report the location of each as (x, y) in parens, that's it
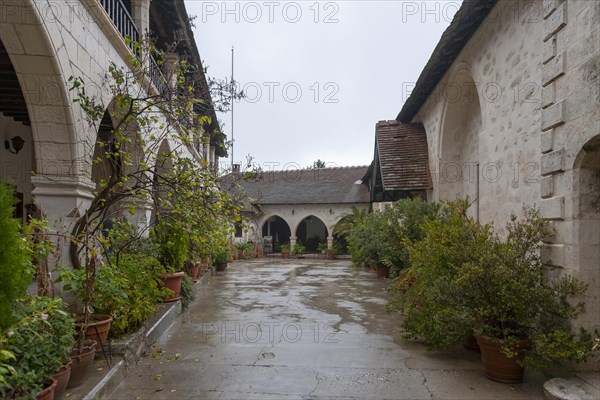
(503, 59)
(570, 139)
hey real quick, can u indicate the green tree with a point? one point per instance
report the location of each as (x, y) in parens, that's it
(318, 164)
(150, 152)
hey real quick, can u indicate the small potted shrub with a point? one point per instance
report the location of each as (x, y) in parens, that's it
(222, 258)
(285, 250)
(172, 241)
(40, 342)
(299, 250)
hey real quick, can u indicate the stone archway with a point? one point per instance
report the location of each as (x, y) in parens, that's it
(275, 231)
(311, 231)
(586, 227)
(61, 186)
(459, 141)
(35, 61)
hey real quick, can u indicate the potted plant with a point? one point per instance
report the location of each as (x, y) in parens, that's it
(40, 341)
(222, 258)
(299, 250)
(259, 251)
(527, 320)
(464, 279)
(285, 250)
(173, 244)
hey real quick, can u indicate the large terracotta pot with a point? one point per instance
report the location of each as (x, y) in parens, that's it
(97, 328)
(285, 254)
(330, 255)
(48, 392)
(471, 344)
(498, 367)
(173, 282)
(62, 375)
(194, 272)
(81, 362)
(259, 252)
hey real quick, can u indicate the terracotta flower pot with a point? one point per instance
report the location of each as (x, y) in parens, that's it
(62, 375)
(194, 272)
(498, 367)
(382, 272)
(97, 328)
(259, 252)
(173, 282)
(285, 254)
(471, 344)
(48, 392)
(221, 267)
(81, 362)
(330, 255)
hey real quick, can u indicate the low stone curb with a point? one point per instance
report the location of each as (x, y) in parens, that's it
(135, 345)
(573, 388)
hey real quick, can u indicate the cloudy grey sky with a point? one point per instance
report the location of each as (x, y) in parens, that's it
(318, 75)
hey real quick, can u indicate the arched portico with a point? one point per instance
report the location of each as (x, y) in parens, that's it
(60, 185)
(311, 231)
(275, 232)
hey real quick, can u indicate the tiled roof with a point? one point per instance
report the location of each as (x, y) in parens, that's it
(403, 160)
(464, 24)
(308, 186)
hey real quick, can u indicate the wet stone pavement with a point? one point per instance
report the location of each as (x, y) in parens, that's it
(304, 329)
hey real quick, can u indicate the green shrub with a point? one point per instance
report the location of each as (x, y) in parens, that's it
(40, 340)
(246, 251)
(299, 249)
(16, 269)
(173, 244)
(380, 238)
(427, 295)
(464, 279)
(188, 292)
(222, 256)
(126, 288)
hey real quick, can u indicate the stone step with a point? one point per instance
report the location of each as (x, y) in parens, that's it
(574, 388)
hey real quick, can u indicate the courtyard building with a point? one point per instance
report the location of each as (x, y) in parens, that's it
(300, 205)
(510, 105)
(48, 145)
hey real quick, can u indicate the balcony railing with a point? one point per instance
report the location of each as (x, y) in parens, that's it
(124, 23)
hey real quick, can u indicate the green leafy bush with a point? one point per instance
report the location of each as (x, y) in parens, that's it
(40, 341)
(173, 244)
(188, 292)
(222, 256)
(126, 288)
(246, 251)
(299, 249)
(464, 279)
(427, 294)
(15, 257)
(381, 238)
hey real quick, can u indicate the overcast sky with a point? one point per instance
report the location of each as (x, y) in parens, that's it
(318, 76)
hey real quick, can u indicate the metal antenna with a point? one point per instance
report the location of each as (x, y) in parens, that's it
(232, 97)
